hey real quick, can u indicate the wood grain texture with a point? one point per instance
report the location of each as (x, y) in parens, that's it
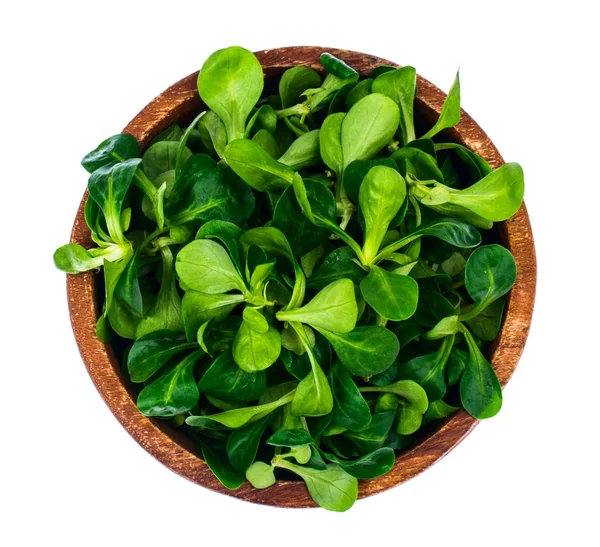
(180, 102)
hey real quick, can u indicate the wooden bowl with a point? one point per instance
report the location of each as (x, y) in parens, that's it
(181, 103)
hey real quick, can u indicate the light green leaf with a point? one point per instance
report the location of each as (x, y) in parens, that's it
(254, 351)
(204, 266)
(400, 85)
(450, 114)
(256, 167)
(333, 308)
(381, 195)
(231, 83)
(332, 488)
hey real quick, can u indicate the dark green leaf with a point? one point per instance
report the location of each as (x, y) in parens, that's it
(365, 350)
(371, 437)
(290, 437)
(152, 351)
(242, 444)
(339, 264)
(172, 393)
(217, 461)
(227, 381)
(207, 191)
(351, 410)
(370, 466)
(114, 149)
(294, 82)
(490, 273)
(391, 295)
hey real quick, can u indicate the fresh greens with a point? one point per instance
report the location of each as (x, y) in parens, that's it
(297, 281)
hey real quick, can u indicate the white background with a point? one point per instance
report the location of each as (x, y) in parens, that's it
(75, 73)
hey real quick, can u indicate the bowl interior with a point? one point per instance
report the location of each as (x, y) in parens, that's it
(180, 103)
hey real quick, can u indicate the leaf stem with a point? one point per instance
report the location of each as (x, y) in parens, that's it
(296, 110)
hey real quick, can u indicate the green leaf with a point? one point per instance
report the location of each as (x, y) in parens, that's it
(400, 85)
(273, 242)
(357, 92)
(418, 163)
(166, 311)
(429, 370)
(351, 409)
(408, 390)
(368, 127)
(231, 83)
(217, 461)
(207, 191)
(197, 308)
(260, 475)
(108, 186)
(339, 264)
(211, 125)
(302, 234)
(370, 466)
(333, 488)
(449, 230)
(490, 273)
(304, 152)
(128, 289)
(409, 420)
(381, 195)
(450, 114)
(152, 351)
(372, 436)
(456, 365)
(239, 417)
(204, 266)
(172, 393)
(393, 296)
(432, 308)
(256, 167)
(366, 350)
(227, 381)
(267, 142)
(438, 410)
(313, 395)
(228, 234)
(72, 258)
(330, 142)
(318, 204)
(294, 82)
(112, 273)
(242, 444)
(264, 118)
(355, 173)
(255, 319)
(290, 437)
(486, 326)
(254, 351)
(480, 391)
(333, 308)
(114, 149)
(496, 197)
(161, 157)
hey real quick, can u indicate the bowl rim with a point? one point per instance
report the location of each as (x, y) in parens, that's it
(173, 451)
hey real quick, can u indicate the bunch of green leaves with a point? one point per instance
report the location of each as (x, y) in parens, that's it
(301, 282)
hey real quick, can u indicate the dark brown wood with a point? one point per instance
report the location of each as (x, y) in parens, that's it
(180, 103)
